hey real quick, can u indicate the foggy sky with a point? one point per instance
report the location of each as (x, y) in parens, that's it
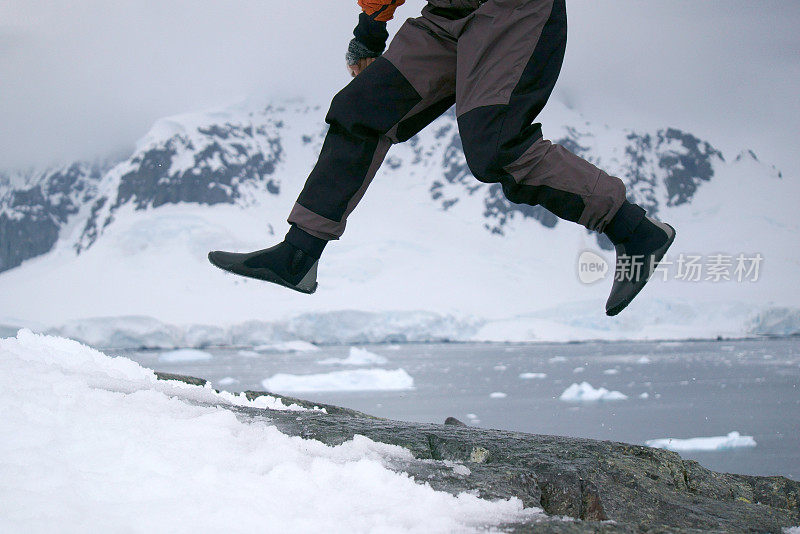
(86, 79)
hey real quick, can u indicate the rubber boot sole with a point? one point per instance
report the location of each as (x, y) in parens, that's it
(267, 275)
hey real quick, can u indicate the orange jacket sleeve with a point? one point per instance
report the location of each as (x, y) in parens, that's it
(381, 10)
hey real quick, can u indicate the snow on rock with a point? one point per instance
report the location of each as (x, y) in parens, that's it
(357, 357)
(716, 443)
(584, 392)
(93, 443)
(184, 355)
(355, 380)
(116, 374)
(461, 470)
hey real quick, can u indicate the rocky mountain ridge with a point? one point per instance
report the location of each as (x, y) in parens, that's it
(240, 157)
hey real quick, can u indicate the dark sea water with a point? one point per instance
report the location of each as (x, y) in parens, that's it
(693, 389)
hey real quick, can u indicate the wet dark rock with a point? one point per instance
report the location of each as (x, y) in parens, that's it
(607, 486)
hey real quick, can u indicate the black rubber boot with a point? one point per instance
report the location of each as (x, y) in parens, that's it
(284, 264)
(637, 256)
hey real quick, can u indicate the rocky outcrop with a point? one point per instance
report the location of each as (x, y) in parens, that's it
(606, 486)
(664, 168)
(33, 212)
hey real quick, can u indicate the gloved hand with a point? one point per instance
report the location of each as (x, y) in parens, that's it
(369, 43)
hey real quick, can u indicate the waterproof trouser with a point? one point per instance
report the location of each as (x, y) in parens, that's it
(498, 61)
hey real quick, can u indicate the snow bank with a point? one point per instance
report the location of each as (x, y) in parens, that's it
(355, 380)
(716, 443)
(357, 357)
(584, 392)
(93, 443)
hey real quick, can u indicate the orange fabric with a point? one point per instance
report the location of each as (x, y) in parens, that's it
(384, 8)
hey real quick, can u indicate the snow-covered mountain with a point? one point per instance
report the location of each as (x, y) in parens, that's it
(90, 240)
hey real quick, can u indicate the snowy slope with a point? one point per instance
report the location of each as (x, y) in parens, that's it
(93, 443)
(429, 250)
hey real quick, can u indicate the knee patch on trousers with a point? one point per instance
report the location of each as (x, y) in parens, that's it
(489, 144)
(364, 111)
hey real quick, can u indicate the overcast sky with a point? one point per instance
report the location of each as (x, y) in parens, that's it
(84, 79)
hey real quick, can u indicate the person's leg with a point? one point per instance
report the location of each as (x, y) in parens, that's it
(509, 58)
(389, 102)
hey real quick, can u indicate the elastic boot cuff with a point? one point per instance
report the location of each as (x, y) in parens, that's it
(313, 246)
(622, 226)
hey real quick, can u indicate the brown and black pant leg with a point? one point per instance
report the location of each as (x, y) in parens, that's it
(498, 61)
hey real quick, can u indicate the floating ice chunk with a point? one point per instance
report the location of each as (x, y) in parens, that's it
(184, 355)
(557, 359)
(288, 346)
(611, 372)
(248, 353)
(497, 395)
(644, 395)
(643, 360)
(716, 443)
(584, 392)
(529, 376)
(500, 367)
(357, 357)
(355, 380)
(227, 381)
(579, 370)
